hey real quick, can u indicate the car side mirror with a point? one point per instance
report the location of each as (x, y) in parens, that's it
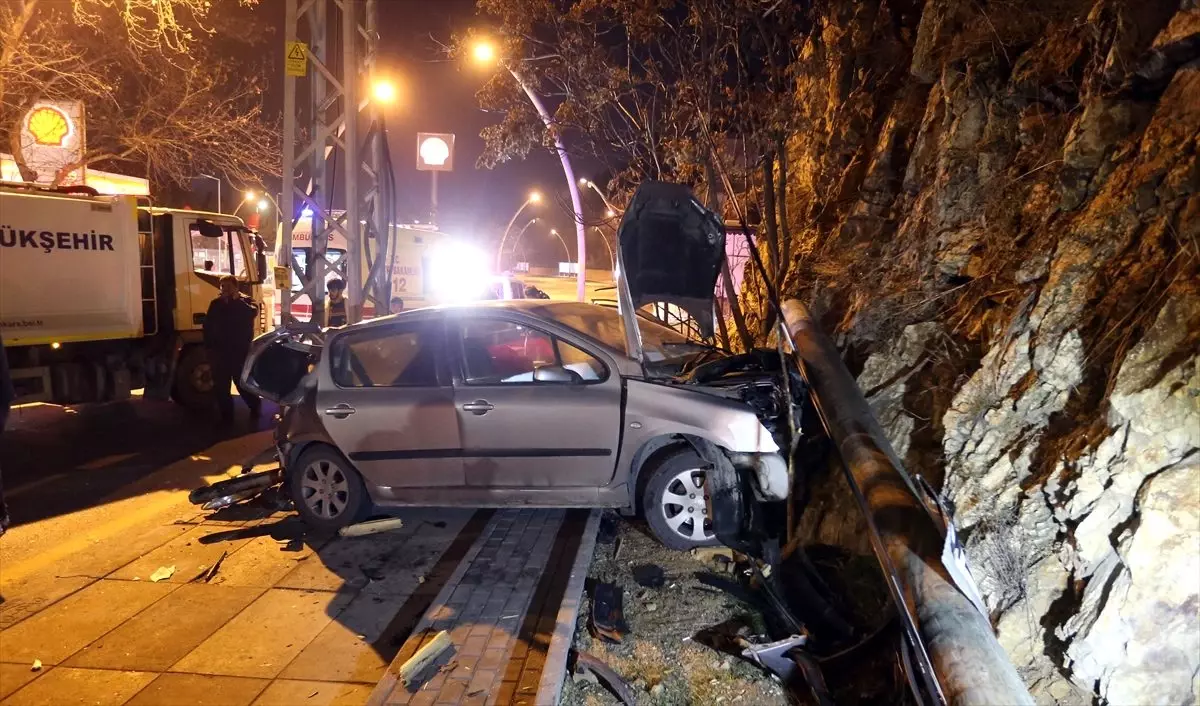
(553, 373)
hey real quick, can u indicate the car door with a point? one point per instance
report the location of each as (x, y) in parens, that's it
(385, 398)
(518, 432)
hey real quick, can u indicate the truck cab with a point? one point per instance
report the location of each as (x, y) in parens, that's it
(101, 295)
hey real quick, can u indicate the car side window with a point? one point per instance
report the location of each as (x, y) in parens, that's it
(587, 365)
(402, 355)
(504, 352)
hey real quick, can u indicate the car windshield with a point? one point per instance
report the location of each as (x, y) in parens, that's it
(605, 325)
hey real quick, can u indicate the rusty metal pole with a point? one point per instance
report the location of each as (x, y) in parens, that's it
(970, 667)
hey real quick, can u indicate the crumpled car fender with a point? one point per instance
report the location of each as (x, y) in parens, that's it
(653, 410)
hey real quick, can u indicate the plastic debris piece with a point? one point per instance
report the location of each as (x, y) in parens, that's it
(207, 575)
(37, 666)
(162, 573)
(371, 527)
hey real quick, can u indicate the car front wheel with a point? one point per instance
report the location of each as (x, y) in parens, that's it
(327, 492)
(676, 502)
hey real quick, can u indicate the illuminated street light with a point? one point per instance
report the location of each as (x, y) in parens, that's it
(610, 213)
(383, 91)
(534, 197)
(263, 205)
(250, 195)
(485, 52)
(566, 250)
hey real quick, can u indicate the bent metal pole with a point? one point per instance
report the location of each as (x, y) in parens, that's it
(970, 666)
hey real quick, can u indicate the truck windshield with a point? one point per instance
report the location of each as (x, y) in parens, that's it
(220, 256)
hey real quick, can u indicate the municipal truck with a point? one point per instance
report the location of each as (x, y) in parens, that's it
(102, 295)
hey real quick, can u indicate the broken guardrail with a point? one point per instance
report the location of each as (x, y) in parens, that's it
(956, 653)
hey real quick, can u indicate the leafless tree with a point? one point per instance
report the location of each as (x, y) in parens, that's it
(160, 99)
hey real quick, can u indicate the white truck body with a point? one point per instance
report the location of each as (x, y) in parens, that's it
(69, 269)
(100, 295)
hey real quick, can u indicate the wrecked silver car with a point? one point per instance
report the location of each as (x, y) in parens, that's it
(539, 403)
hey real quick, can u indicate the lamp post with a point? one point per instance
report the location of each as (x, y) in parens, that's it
(534, 197)
(209, 176)
(485, 53)
(611, 255)
(517, 239)
(588, 183)
(566, 250)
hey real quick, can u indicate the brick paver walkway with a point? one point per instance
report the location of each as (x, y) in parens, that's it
(281, 623)
(501, 608)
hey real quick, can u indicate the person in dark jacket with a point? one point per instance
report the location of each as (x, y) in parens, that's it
(6, 398)
(337, 303)
(228, 331)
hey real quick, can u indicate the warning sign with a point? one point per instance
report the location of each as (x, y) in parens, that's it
(296, 59)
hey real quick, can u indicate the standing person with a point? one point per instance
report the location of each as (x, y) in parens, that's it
(228, 331)
(336, 308)
(6, 397)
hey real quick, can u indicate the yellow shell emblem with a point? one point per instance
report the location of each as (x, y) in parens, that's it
(49, 126)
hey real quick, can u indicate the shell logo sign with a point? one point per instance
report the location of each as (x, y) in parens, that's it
(49, 126)
(53, 138)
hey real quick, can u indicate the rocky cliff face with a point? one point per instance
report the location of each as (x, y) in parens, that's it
(998, 203)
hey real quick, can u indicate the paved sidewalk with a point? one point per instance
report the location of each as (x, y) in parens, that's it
(503, 607)
(283, 622)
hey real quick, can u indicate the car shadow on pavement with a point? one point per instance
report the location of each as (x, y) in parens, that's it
(57, 460)
(379, 586)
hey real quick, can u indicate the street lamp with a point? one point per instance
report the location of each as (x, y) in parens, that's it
(383, 91)
(485, 53)
(589, 184)
(611, 255)
(534, 197)
(209, 176)
(517, 240)
(564, 244)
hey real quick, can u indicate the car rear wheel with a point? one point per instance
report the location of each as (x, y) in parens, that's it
(676, 502)
(327, 492)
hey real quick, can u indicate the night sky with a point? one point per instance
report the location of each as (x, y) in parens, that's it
(438, 95)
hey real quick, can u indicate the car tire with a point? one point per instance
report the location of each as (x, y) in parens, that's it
(326, 490)
(193, 384)
(675, 502)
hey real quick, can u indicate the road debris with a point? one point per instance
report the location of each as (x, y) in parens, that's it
(589, 664)
(36, 666)
(162, 573)
(607, 618)
(372, 527)
(372, 572)
(710, 554)
(419, 667)
(227, 500)
(240, 485)
(649, 575)
(207, 575)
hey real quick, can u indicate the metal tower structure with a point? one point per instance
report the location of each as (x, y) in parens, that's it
(329, 170)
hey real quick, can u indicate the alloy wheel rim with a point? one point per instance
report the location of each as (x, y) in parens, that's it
(684, 505)
(325, 489)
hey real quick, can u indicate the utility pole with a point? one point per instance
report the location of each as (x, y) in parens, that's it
(325, 74)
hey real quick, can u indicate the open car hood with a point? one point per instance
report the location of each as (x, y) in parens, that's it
(670, 249)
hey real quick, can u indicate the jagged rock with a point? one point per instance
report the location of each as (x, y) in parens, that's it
(884, 381)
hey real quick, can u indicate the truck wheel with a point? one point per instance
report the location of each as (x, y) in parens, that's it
(328, 493)
(193, 387)
(675, 502)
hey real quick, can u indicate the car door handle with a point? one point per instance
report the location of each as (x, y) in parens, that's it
(478, 407)
(340, 411)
